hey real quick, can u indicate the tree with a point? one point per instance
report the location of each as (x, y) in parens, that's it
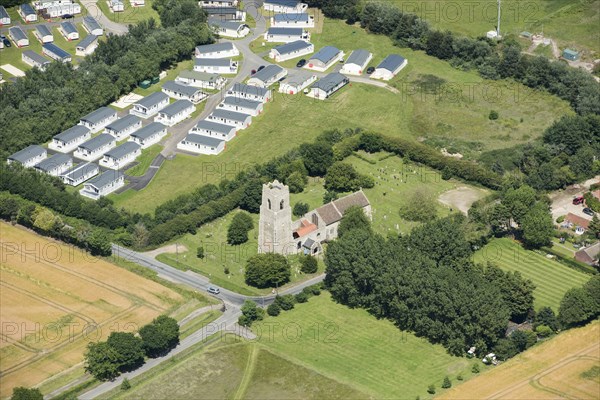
(102, 361)
(354, 218)
(200, 252)
(250, 313)
(538, 227)
(296, 181)
(300, 209)
(505, 349)
(129, 349)
(543, 331)
(23, 393)
(576, 307)
(273, 309)
(267, 270)
(342, 177)
(301, 297)
(99, 243)
(317, 157)
(594, 226)
(240, 225)
(309, 264)
(419, 207)
(286, 302)
(173, 12)
(329, 197)
(493, 115)
(475, 369)
(545, 316)
(160, 336)
(125, 385)
(446, 384)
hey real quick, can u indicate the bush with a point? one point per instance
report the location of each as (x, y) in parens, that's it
(310, 265)
(273, 310)
(301, 297)
(560, 219)
(286, 302)
(431, 389)
(241, 224)
(493, 115)
(125, 385)
(475, 369)
(300, 209)
(23, 393)
(250, 313)
(267, 270)
(459, 377)
(200, 252)
(543, 331)
(226, 270)
(446, 384)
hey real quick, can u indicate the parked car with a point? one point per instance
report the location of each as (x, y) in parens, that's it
(6, 42)
(370, 70)
(588, 211)
(67, 16)
(213, 290)
(301, 63)
(578, 200)
(252, 72)
(260, 68)
(2, 37)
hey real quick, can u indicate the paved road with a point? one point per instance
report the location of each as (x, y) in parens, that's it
(94, 11)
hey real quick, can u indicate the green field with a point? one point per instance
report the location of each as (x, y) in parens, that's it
(131, 15)
(551, 278)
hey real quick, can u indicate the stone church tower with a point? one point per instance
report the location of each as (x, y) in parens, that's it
(275, 222)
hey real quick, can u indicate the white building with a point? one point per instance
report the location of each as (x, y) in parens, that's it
(116, 5)
(121, 155)
(57, 11)
(241, 105)
(225, 13)
(18, 36)
(55, 165)
(217, 50)
(94, 148)
(285, 6)
(92, 26)
(70, 139)
(97, 120)
(149, 134)
(291, 50)
(229, 29)
(150, 105)
(42, 4)
(217, 3)
(56, 53)
(203, 80)
(214, 129)
(268, 76)
(34, 59)
(297, 82)
(183, 92)
(175, 113)
(286, 35)
(293, 20)
(123, 127)
(327, 86)
(232, 118)
(202, 145)
(137, 3)
(357, 62)
(43, 34)
(69, 31)
(80, 173)
(4, 17)
(27, 13)
(216, 65)
(389, 67)
(87, 46)
(29, 156)
(324, 59)
(103, 185)
(255, 93)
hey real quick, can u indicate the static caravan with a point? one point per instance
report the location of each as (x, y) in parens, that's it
(175, 113)
(389, 67)
(137, 3)
(248, 92)
(202, 80)
(267, 76)
(120, 156)
(27, 13)
(149, 135)
(43, 34)
(60, 10)
(241, 105)
(69, 31)
(357, 62)
(217, 3)
(4, 17)
(29, 156)
(229, 29)
(291, 50)
(69, 140)
(92, 26)
(97, 120)
(328, 85)
(34, 59)
(236, 119)
(56, 53)
(202, 145)
(296, 83)
(94, 148)
(18, 36)
(103, 185)
(55, 165)
(150, 105)
(87, 46)
(116, 5)
(216, 65)
(183, 92)
(123, 127)
(43, 4)
(293, 20)
(285, 6)
(217, 50)
(79, 174)
(214, 129)
(225, 13)
(286, 35)
(324, 59)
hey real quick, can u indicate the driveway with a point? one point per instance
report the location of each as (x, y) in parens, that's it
(562, 201)
(95, 11)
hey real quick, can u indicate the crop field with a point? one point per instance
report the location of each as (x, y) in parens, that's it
(566, 366)
(551, 278)
(56, 298)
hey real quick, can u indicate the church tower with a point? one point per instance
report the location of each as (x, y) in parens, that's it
(275, 222)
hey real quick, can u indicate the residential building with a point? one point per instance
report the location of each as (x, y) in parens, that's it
(123, 127)
(94, 148)
(357, 62)
(121, 155)
(589, 255)
(149, 134)
(103, 185)
(248, 92)
(29, 156)
(4, 17)
(297, 82)
(116, 5)
(27, 13)
(229, 29)
(70, 139)
(203, 80)
(389, 67)
(236, 119)
(18, 36)
(34, 59)
(324, 59)
(225, 13)
(244, 106)
(291, 50)
(328, 85)
(56, 53)
(183, 92)
(214, 129)
(216, 65)
(175, 113)
(55, 165)
(293, 20)
(42, 4)
(137, 3)
(80, 173)
(92, 26)
(268, 76)
(217, 50)
(57, 11)
(217, 3)
(285, 6)
(97, 120)
(202, 144)
(87, 45)
(43, 34)
(68, 30)
(150, 105)
(286, 35)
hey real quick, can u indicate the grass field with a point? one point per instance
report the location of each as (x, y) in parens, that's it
(144, 161)
(551, 278)
(56, 298)
(562, 367)
(131, 15)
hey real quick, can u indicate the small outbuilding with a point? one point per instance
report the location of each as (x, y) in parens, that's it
(293, 20)
(297, 82)
(92, 26)
(27, 13)
(116, 5)
(103, 185)
(291, 50)
(244, 106)
(286, 35)
(70, 139)
(203, 80)
(389, 67)
(285, 6)
(236, 119)
(149, 134)
(29, 156)
(175, 113)
(4, 17)
(324, 59)
(225, 13)
(80, 173)
(68, 30)
(256, 93)
(229, 29)
(570, 55)
(150, 105)
(202, 144)
(55, 165)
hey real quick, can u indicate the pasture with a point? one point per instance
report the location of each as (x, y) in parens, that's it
(551, 278)
(56, 298)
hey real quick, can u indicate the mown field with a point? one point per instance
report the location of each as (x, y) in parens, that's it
(131, 15)
(566, 366)
(551, 278)
(56, 298)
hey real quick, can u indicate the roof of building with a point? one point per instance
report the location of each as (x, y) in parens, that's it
(91, 23)
(97, 142)
(122, 150)
(329, 213)
(285, 31)
(204, 140)
(17, 33)
(334, 211)
(212, 62)
(330, 81)
(231, 115)
(589, 254)
(68, 27)
(303, 17)
(359, 57)
(149, 130)
(99, 115)
(220, 10)
(54, 49)
(105, 179)
(268, 73)
(199, 76)
(49, 163)
(214, 126)
(43, 30)
(326, 54)
(308, 243)
(37, 58)
(3, 12)
(72, 133)
(391, 62)
(305, 228)
(233, 25)
(87, 41)
(152, 100)
(123, 123)
(27, 9)
(80, 170)
(570, 52)
(27, 153)
(247, 89)
(176, 107)
(288, 3)
(292, 47)
(297, 78)
(181, 89)
(245, 103)
(216, 47)
(577, 220)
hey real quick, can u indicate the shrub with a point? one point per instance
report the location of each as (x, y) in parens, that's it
(286, 302)
(459, 377)
(273, 310)
(125, 385)
(200, 252)
(241, 224)
(543, 331)
(475, 369)
(493, 115)
(310, 264)
(446, 384)
(431, 389)
(301, 297)
(300, 209)
(560, 219)
(23, 393)
(226, 270)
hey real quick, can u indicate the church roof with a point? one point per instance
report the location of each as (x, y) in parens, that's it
(334, 211)
(329, 213)
(305, 228)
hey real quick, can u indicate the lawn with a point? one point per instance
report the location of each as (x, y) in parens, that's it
(551, 278)
(144, 161)
(131, 15)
